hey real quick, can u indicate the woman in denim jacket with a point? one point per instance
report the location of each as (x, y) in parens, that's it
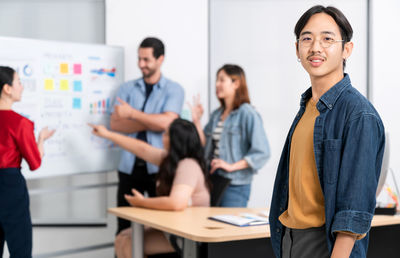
(235, 142)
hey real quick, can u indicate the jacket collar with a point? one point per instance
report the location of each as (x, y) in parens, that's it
(331, 96)
(220, 110)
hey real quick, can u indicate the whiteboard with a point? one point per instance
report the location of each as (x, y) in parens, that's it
(66, 86)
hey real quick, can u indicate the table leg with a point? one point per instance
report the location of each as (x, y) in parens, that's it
(137, 240)
(189, 248)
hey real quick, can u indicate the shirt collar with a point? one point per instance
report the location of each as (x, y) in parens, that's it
(160, 84)
(331, 96)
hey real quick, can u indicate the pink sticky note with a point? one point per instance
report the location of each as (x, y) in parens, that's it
(77, 68)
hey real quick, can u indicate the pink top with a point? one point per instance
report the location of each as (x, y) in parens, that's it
(189, 173)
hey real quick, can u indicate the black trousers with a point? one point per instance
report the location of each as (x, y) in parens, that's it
(15, 218)
(138, 179)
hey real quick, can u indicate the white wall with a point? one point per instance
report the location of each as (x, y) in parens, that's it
(385, 93)
(258, 35)
(64, 20)
(181, 25)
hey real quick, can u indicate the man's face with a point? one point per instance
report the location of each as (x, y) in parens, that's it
(147, 63)
(321, 58)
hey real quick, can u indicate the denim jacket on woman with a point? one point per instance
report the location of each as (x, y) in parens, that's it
(349, 141)
(243, 137)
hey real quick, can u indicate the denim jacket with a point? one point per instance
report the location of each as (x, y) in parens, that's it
(243, 137)
(349, 143)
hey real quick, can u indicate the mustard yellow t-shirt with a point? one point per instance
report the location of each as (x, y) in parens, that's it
(306, 206)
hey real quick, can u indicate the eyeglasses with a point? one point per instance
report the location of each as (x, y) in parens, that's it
(325, 42)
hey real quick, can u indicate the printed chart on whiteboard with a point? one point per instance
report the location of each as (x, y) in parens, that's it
(66, 86)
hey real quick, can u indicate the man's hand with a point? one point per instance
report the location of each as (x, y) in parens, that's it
(124, 110)
(343, 245)
(134, 199)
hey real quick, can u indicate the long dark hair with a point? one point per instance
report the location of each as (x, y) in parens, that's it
(184, 143)
(6, 76)
(236, 72)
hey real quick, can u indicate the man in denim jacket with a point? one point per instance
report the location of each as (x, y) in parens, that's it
(324, 193)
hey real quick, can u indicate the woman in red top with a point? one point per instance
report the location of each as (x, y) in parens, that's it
(17, 141)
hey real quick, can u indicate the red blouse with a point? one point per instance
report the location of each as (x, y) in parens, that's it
(17, 141)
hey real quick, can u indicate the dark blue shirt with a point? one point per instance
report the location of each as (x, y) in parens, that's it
(349, 142)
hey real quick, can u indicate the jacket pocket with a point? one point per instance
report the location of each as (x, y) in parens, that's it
(332, 160)
(234, 139)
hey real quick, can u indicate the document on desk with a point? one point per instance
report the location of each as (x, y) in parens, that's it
(241, 220)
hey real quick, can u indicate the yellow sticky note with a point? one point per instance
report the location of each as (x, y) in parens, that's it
(64, 85)
(64, 68)
(49, 84)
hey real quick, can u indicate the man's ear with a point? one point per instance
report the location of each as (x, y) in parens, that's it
(160, 59)
(296, 44)
(348, 49)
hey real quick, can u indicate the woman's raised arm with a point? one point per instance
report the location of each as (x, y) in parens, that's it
(139, 148)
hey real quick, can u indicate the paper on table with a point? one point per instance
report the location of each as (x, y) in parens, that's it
(241, 220)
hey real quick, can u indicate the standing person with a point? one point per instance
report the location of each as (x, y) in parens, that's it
(324, 193)
(182, 180)
(144, 109)
(235, 142)
(17, 142)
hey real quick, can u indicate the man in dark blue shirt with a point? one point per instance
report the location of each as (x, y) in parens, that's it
(346, 142)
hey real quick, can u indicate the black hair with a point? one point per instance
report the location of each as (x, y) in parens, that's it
(6, 76)
(346, 31)
(155, 44)
(184, 143)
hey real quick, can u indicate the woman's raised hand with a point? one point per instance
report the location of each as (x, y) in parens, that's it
(45, 133)
(196, 108)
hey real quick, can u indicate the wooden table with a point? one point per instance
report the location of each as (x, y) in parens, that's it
(192, 224)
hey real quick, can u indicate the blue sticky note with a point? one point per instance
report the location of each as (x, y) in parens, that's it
(76, 103)
(77, 85)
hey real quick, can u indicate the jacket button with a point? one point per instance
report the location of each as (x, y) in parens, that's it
(281, 209)
(278, 230)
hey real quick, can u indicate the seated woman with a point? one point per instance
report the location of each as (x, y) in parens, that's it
(181, 181)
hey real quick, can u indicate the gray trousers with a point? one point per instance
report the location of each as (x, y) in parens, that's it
(305, 243)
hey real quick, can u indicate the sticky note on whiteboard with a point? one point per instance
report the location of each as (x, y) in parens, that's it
(49, 84)
(64, 85)
(76, 103)
(77, 86)
(77, 68)
(64, 68)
